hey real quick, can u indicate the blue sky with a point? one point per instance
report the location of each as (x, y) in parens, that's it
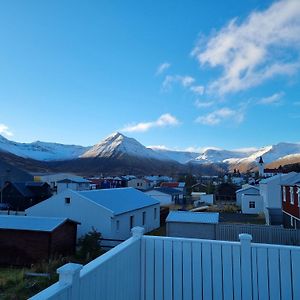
(181, 74)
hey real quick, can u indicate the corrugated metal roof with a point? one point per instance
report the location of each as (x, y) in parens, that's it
(193, 217)
(30, 223)
(168, 190)
(120, 200)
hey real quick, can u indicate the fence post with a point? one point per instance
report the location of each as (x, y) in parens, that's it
(70, 274)
(246, 270)
(137, 231)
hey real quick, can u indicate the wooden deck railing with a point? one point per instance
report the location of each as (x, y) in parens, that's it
(150, 268)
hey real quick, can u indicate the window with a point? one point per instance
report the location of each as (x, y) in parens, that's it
(155, 213)
(131, 221)
(251, 204)
(118, 225)
(144, 217)
(298, 192)
(138, 184)
(292, 195)
(67, 200)
(284, 194)
(292, 222)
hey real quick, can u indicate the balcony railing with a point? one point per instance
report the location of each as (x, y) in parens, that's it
(148, 267)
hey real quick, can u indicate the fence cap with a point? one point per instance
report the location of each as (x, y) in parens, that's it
(137, 231)
(69, 269)
(245, 237)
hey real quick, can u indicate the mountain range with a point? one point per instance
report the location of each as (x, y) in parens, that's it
(121, 154)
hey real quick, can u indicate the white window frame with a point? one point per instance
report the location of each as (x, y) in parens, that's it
(298, 192)
(284, 194)
(251, 204)
(292, 195)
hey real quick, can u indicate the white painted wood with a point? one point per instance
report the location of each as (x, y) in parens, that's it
(262, 272)
(274, 274)
(159, 271)
(217, 271)
(227, 272)
(149, 269)
(254, 274)
(207, 269)
(178, 270)
(197, 270)
(295, 255)
(285, 274)
(236, 259)
(187, 271)
(168, 270)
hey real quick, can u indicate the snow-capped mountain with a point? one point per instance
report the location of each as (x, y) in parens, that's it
(117, 145)
(41, 150)
(182, 157)
(219, 156)
(272, 153)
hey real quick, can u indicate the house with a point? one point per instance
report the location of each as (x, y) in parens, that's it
(20, 195)
(246, 190)
(270, 190)
(76, 184)
(26, 240)
(140, 184)
(252, 204)
(112, 212)
(158, 179)
(52, 179)
(175, 185)
(291, 202)
(225, 192)
(191, 224)
(166, 196)
(202, 198)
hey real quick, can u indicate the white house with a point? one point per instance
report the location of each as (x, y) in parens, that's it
(75, 184)
(270, 190)
(252, 204)
(166, 196)
(247, 190)
(140, 184)
(52, 179)
(112, 212)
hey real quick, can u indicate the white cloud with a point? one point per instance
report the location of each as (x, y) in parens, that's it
(159, 147)
(5, 130)
(274, 99)
(163, 121)
(162, 68)
(203, 104)
(220, 115)
(266, 44)
(185, 81)
(197, 89)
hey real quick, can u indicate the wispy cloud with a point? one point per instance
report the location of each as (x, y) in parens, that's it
(203, 104)
(5, 130)
(197, 89)
(185, 81)
(255, 50)
(163, 121)
(162, 68)
(271, 100)
(220, 115)
(296, 103)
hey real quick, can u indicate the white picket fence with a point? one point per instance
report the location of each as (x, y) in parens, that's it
(150, 268)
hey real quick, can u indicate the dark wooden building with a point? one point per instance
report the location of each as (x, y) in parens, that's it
(225, 192)
(26, 240)
(21, 195)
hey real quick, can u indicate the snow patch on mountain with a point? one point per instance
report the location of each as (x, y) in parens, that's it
(41, 150)
(117, 144)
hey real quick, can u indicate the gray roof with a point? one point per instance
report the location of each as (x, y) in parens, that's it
(120, 200)
(73, 180)
(31, 223)
(247, 188)
(193, 217)
(292, 180)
